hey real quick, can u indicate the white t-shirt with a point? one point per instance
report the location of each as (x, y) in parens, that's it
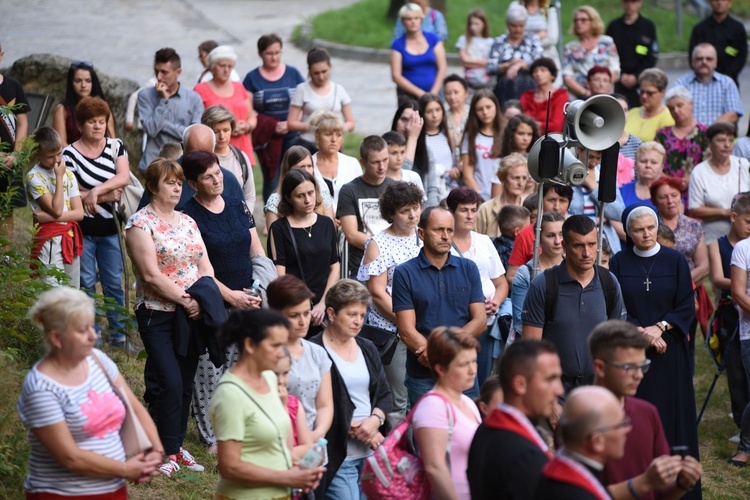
(709, 189)
(485, 170)
(41, 181)
(92, 412)
(310, 102)
(484, 254)
(741, 259)
(349, 169)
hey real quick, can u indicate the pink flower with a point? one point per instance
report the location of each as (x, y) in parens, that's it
(105, 413)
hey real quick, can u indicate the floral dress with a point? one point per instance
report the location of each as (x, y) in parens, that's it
(179, 248)
(683, 154)
(577, 61)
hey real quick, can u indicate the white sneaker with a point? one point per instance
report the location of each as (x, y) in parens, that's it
(168, 468)
(735, 438)
(185, 459)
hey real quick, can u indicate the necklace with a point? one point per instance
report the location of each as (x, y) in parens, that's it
(648, 281)
(305, 228)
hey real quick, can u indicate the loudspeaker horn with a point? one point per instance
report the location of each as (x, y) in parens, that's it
(598, 122)
(571, 173)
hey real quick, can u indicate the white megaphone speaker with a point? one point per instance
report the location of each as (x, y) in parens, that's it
(597, 123)
(571, 172)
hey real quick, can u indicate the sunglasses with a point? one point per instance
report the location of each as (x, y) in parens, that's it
(82, 64)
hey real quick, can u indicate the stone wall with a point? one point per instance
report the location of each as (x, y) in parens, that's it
(47, 74)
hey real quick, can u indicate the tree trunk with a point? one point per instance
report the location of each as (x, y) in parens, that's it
(393, 7)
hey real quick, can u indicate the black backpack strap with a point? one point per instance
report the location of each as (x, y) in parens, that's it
(608, 287)
(552, 286)
(243, 163)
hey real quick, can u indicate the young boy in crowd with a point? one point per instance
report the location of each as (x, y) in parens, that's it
(606, 253)
(57, 208)
(531, 203)
(511, 219)
(171, 151)
(396, 153)
(726, 318)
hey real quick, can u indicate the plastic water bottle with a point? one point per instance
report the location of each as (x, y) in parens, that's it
(254, 290)
(315, 456)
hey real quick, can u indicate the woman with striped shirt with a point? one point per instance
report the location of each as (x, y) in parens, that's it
(101, 167)
(72, 413)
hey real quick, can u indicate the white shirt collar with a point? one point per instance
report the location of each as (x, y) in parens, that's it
(647, 253)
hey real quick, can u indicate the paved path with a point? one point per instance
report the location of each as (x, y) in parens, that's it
(121, 36)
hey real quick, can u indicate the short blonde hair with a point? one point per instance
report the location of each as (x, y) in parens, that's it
(325, 121)
(509, 162)
(650, 146)
(411, 10)
(55, 308)
(597, 25)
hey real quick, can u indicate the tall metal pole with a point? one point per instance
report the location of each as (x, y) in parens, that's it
(537, 231)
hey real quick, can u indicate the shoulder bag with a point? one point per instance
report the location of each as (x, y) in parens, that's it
(133, 436)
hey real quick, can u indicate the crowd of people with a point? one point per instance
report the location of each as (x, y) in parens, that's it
(400, 284)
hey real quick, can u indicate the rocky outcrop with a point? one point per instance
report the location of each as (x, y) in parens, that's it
(47, 74)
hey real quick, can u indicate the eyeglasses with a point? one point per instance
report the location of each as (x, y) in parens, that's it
(647, 93)
(626, 422)
(581, 19)
(82, 64)
(706, 58)
(631, 368)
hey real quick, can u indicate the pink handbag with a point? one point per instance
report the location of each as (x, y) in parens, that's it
(395, 471)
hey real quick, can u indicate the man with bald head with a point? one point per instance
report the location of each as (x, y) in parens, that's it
(593, 429)
(199, 137)
(715, 96)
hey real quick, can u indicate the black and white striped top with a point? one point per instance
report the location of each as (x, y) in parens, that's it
(92, 172)
(93, 414)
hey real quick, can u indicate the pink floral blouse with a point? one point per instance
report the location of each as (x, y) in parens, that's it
(179, 248)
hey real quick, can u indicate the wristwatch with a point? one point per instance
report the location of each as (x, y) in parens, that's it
(663, 325)
(382, 422)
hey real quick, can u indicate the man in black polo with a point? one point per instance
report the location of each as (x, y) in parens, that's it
(585, 297)
(635, 38)
(727, 35)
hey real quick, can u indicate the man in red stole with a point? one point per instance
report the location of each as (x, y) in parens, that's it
(646, 470)
(593, 429)
(507, 454)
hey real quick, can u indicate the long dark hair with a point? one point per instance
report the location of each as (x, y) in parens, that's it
(473, 125)
(71, 98)
(293, 179)
(510, 129)
(422, 152)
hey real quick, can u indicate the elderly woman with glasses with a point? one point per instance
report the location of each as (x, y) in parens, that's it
(590, 48)
(658, 293)
(643, 121)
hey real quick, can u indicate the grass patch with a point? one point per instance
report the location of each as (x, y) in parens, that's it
(373, 29)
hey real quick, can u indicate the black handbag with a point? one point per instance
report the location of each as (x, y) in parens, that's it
(385, 341)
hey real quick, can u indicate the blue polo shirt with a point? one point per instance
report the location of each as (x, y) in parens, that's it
(439, 297)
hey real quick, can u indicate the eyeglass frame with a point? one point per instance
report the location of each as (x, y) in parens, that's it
(626, 422)
(629, 367)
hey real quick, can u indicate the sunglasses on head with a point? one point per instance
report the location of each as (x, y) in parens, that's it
(82, 64)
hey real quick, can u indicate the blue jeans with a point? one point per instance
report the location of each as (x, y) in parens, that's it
(103, 253)
(345, 484)
(416, 387)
